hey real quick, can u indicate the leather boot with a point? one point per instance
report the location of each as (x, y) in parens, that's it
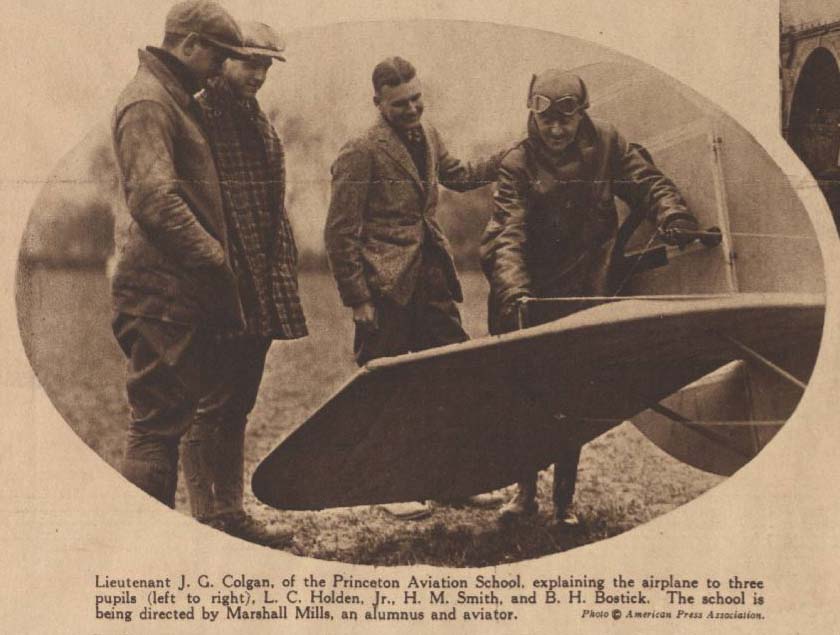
(198, 453)
(242, 525)
(487, 500)
(410, 510)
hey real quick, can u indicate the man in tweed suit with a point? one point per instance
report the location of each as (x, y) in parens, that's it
(250, 161)
(389, 256)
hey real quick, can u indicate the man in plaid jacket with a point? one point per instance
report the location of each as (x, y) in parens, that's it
(250, 162)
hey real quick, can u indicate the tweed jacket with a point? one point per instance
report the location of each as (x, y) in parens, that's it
(382, 211)
(173, 262)
(555, 219)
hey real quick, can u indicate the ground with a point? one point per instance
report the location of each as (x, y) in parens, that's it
(624, 480)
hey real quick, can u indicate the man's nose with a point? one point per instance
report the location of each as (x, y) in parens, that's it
(261, 74)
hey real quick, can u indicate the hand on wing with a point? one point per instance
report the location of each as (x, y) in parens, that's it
(509, 314)
(672, 230)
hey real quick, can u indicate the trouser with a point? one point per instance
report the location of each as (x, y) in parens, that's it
(566, 462)
(565, 474)
(213, 449)
(170, 366)
(567, 455)
(430, 318)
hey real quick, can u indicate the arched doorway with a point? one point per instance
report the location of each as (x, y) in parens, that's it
(815, 123)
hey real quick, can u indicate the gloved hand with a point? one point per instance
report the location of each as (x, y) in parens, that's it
(364, 316)
(509, 314)
(681, 221)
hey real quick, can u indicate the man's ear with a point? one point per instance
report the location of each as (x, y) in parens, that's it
(189, 43)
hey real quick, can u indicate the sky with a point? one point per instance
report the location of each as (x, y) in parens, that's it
(64, 62)
(800, 12)
(475, 95)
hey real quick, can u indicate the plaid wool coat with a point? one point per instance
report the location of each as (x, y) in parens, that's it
(251, 164)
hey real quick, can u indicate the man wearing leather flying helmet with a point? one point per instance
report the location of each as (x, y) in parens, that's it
(555, 223)
(250, 161)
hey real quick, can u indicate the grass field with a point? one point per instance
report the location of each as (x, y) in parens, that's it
(624, 480)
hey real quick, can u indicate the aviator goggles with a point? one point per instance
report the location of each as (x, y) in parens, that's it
(567, 105)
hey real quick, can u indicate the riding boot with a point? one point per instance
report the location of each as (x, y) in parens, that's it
(198, 455)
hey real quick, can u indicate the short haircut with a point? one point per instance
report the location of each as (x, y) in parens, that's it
(392, 71)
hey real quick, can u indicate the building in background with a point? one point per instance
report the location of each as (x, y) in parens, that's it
(809, 42)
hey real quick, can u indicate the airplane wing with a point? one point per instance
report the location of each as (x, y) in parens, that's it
(472, 417)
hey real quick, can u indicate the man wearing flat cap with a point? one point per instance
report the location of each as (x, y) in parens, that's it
(250, 162)
(173, 288)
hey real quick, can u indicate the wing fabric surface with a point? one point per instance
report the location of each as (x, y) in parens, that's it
(472, 417)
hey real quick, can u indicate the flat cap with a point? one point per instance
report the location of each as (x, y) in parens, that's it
(207, 19)
(261, 40)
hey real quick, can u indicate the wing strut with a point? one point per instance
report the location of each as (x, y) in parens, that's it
(757, 357)
(698, 428)
(749, 423)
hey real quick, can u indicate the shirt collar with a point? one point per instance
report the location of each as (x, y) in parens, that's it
(403, 134)
(220, 93)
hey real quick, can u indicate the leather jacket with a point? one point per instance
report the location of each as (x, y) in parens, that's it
(555, 218)
(173, 257)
